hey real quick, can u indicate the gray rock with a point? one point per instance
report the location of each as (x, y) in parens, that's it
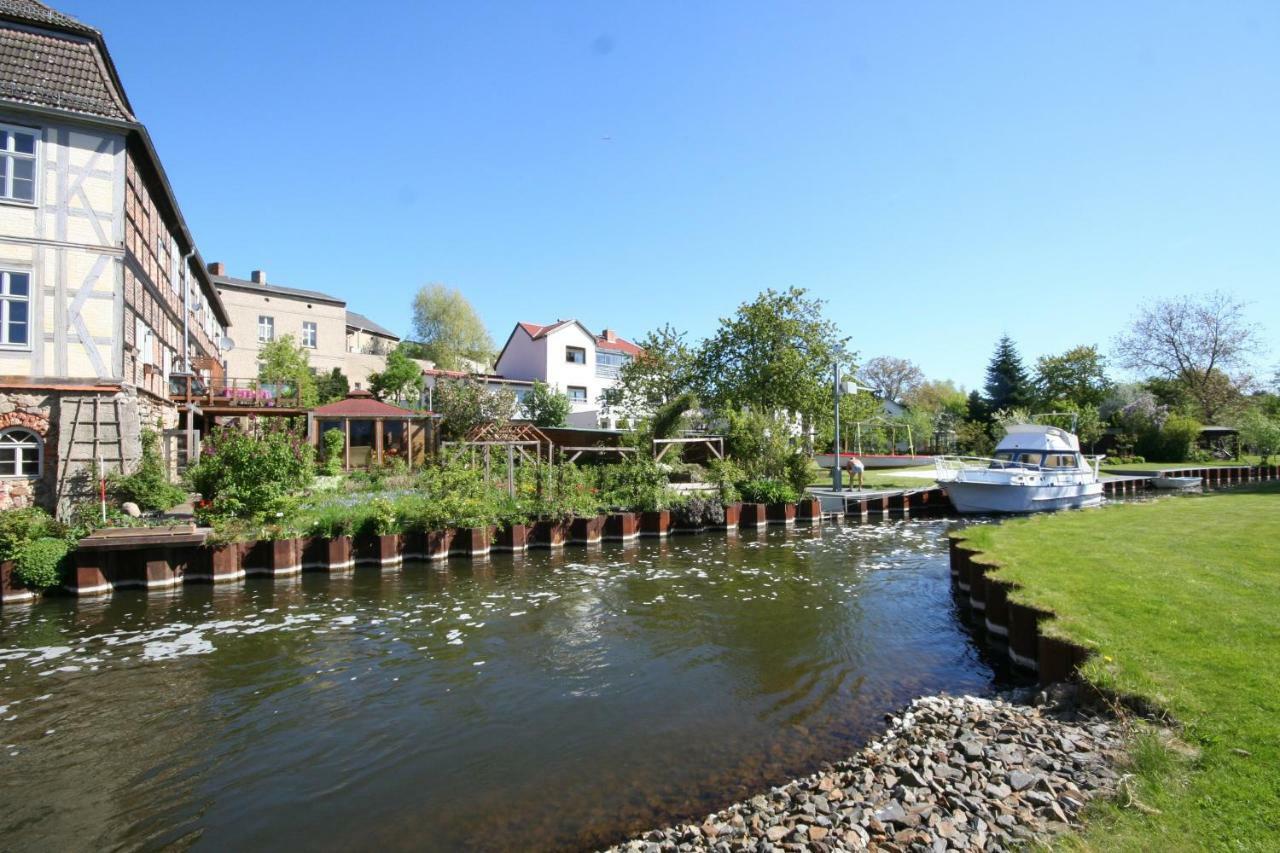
(131, 509)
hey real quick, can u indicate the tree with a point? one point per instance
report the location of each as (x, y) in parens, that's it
(448, 330)
(658, 375)
(775, 354)
(938, 397)
(466, 403)
(1078, 376)
(1195, 340)
(1261, 433)
(400, 379)
(332, 386)
(1008, 387)
(286, 367)
(894, 378)
(546, 406)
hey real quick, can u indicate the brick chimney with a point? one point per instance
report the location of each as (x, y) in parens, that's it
(259, 277)
(218, 268)
(610, 335)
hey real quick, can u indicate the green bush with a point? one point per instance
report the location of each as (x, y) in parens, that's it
(248, 476)
(1178, 438)
(765, 491)
(698, 512)
(21, 526)
(148, 485)
(334, 446)
(38, 563)
(726, 474)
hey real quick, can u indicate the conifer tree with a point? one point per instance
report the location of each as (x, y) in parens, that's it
(1008, 386)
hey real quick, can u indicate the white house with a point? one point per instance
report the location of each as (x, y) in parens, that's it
(569, 357)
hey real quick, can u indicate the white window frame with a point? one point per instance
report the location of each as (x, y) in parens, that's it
(569, 352)
(310, 326)
(8, 154)
(36, 441)
(270, 325)
(586, 394)
(7, 299)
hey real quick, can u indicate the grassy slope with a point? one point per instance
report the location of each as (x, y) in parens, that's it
(1181, 598)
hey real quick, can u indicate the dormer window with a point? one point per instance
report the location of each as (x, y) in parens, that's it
(17, 163)
(575, 355)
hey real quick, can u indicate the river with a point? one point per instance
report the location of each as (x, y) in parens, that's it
(545, 701)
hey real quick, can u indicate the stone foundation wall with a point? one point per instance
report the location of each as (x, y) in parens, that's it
(30, 410)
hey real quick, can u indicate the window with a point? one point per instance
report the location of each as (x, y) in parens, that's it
(15, 305)
(608, 364)
(1061, 460)
(577, 394)
(575, 355)
(309, 334)
(266, 329)
(19, 453)
(17, 163)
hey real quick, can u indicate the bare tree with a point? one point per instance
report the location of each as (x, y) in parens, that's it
(1201, 342)
(894, 378)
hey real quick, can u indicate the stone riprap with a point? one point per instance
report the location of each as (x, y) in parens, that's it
(951, 773)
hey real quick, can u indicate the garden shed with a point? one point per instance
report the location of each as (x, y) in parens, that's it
(374, 432)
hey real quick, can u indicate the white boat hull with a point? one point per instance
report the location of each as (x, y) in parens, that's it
(1003, 498)
(1177, 483)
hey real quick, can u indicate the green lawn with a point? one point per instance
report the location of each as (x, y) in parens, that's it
(889, 478)
(1181, 599)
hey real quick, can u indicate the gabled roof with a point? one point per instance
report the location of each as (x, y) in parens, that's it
(536, 331)
(362, 404)
(359, 321)
(34, 12)
(275, 290)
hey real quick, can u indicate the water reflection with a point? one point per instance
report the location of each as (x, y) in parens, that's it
(526, 702)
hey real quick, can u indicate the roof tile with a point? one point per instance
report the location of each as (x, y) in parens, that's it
(62, 73)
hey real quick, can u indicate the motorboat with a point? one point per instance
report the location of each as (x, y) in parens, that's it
(871, 461)
(1035, 468)
(1164, 481)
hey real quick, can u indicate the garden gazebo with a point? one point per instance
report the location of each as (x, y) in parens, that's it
(374, 432)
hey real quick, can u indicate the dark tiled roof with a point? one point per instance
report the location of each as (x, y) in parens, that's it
(274, 289)
(359, 321)
(32, 12)
(361, 404)
(62, 73)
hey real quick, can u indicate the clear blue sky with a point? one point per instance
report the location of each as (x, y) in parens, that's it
(941, 173)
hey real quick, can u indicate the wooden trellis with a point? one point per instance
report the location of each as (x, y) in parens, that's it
(714, 443)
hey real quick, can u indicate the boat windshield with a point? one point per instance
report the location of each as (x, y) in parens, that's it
(1016, 458)
(1062, 460)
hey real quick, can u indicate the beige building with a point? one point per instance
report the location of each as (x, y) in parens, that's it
(334, 337)
(103, 296)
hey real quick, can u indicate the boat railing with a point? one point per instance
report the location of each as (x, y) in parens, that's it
(949, 466)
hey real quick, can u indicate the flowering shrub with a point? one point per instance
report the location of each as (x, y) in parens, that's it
(250, 476)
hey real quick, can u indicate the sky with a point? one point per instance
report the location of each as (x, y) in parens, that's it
(940, 173)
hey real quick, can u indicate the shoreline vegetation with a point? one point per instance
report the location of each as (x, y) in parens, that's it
(1179, 600)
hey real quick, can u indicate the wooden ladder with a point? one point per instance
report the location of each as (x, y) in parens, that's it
(78, 447)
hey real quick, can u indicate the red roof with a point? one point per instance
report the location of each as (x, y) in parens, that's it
(361, 404)
(622, 345)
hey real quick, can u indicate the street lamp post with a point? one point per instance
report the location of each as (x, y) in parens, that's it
(835, 477)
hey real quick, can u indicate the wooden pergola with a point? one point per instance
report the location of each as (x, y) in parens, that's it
(393, 432)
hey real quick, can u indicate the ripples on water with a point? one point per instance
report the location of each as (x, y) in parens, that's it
(532, 702)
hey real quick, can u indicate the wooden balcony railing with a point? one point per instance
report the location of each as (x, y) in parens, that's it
(249, 393)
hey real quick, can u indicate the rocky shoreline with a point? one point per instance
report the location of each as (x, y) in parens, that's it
(950, 773)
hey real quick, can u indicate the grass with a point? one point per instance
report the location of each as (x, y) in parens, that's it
(1180, 598)
(890, 478)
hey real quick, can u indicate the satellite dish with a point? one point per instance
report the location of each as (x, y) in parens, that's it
(227, 344)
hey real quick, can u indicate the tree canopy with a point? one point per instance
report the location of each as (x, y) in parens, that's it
(1197, 341)
(284, 364)
(1008, 386)
(774, 354)
(1077, 376)
(894, 378)
(401, 379)
(448, 329)
(546, 406)
(332, 386)
(660, 374)
(466, 403)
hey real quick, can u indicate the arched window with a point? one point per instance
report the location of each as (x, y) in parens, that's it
(20, 453)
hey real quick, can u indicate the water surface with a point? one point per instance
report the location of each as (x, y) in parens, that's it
(544, 701)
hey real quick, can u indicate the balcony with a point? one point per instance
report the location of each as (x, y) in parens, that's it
(231, 394)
